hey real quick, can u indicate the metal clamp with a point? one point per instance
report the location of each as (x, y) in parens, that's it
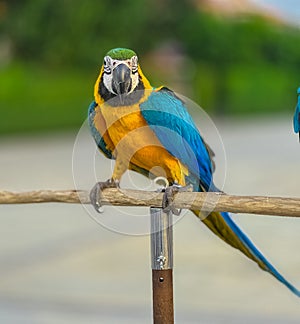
(161, 239)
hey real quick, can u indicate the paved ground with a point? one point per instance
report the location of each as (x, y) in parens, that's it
(57, 265)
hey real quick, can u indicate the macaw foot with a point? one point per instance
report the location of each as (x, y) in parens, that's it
(169, 195)
(96, 193)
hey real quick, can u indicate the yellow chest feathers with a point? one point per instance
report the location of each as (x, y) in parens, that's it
(127, 127)
(127, 117)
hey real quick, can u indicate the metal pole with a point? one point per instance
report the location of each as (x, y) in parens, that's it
(162, 266)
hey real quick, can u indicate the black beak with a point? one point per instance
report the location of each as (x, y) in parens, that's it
(121, 79)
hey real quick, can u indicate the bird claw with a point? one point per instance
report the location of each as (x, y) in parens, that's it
(96, 193)
(169, 195)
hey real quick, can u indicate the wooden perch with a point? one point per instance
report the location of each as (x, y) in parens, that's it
(276, 206)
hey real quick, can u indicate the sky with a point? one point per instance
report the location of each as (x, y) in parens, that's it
(289, 8)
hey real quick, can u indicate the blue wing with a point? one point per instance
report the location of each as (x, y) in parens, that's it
(168, 118)
(172, 124)
(297, 115)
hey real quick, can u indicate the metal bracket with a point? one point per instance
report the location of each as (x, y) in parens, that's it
(161, 239)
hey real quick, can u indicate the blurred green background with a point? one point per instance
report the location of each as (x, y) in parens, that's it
(51, 51)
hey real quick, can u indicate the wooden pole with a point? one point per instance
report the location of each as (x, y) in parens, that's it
(162, 266)
(206, 201)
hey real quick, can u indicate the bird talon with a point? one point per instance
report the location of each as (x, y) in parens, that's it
(96, 193)
(169, 195)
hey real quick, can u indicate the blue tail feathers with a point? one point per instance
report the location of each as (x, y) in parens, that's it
(261, 260)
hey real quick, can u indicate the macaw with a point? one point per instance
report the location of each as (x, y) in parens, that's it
(297, 115)
(149, 130)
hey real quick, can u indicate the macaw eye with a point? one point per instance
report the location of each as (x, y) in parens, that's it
(107, 65)
(134, 64)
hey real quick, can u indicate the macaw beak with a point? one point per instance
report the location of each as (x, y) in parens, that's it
(121, 80)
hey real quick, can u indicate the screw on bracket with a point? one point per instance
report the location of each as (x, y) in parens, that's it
(161, 260)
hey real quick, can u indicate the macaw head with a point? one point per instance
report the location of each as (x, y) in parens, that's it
(120, 71)
(120, 75)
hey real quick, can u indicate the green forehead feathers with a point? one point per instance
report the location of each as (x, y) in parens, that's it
(121, 53)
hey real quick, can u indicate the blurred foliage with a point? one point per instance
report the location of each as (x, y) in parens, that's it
(79, 33)
(34, 98)
(245, 65)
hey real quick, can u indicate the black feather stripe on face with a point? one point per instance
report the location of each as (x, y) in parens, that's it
(115, 100)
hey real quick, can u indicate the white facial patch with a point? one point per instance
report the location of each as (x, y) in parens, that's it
(110, 64)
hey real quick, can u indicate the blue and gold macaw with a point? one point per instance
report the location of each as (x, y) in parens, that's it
(297, 115)
(148, 130)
